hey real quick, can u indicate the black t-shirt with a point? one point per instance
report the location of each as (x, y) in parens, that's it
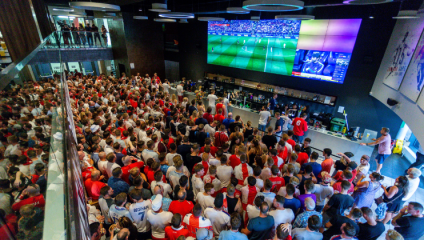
(201, 120)
(269, 141)
(183, 150)
(337, 222)
(306, 150)
(410, 227)
(339, 166)
(260, 228)
(339, 203)
(42, 182)
(368, 232)
(191, 161)
(233, 125)
(191, 109)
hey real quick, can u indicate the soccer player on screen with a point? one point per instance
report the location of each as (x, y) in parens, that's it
(313, 66)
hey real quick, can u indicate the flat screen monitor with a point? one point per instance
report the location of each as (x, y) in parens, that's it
(314, 49)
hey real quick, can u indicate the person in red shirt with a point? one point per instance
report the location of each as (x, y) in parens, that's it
(128, 165)
(235, 158)
(220, 105)
(290, 141)
(282, 150)
(328, 161)
(176, 229)
(151, 173)
(302, 157)
(300, 126)
(338, 186)
(181, 206)
(194, 221)
(208, 116)
(277, 182)
(93, 185)
(351, 166)
(34, 198)
(219, 116)
(208, 143)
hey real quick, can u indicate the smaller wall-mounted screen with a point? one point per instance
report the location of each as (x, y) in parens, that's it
(315, 49)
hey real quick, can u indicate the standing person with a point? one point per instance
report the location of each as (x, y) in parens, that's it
(413, 182)
(74, 31)
(158, 218)
(82, 35)
(365, 194)
(338, 203)
(287, 121)
(272, 102)
(194, 221)
(212, 98)
(281, 215)
(264, 119)
(221, 105)
(233, 233)
(180, 91)
(371, 229)
(260, 228)
(138, 211)
(300, 126)
(220, 220)
(384, 147)
(311, 232)
(96, 33)
(176, 229)
(269, 140)
(393, 197)
(104, 36)
(409, 222)
(335, 226)
(348, 232)
(89, 35)
(278, 130)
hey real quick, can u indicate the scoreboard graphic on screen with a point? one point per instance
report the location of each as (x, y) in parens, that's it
(315, 49)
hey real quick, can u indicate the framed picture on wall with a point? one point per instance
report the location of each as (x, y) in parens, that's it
(399, 51)
(413, 80)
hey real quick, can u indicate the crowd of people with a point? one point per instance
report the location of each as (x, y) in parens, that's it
(159, 167)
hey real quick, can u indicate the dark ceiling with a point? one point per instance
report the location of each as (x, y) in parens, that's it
(218, 7)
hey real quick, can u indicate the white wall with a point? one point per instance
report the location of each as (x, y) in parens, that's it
(407, 110)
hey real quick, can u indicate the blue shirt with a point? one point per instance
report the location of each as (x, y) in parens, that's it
(302, 219)
(260, 227)
(165, 202)
(294, 204)
(227, 122)
(118, 185)
(230, 235)
(119, 157)
(316, 167)
(272, 102)
(164, 169)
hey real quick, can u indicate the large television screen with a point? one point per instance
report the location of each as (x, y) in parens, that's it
(315, 49)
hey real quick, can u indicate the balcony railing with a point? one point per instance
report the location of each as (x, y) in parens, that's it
(78, 39)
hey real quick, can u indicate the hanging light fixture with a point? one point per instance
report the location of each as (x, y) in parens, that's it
(164, 20)
(205, 19)
(295, 17)
(176, 15)
(407, 14)
(93, 6)
(237, 10)
(159, 7)
(365, 2)
(273, 5)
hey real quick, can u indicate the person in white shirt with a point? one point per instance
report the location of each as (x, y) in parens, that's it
(224, 172)
(264, 119)
(196, 181)
(13, 147)
(106, 167)
(167, 190)
(204, 198)
(180, 91)
(242, 171)
(268, 195)
(257, 174)
(249, 192)
(118, 210)
(281, 214)
(413, 182)
(166, 86)
(138, 211)
(220, 220)
(173, 152)
(323, 190)
(362, 169)
(287, 121)
(211, 178)
(253, 210)
(149, 153)
(158, 218)
(212, 98)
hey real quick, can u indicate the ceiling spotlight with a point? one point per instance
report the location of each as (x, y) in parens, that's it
(295, 17)
(159, 7)
(205, 19)
(140, 10)
(164, 20)
(365, 2)
(93, 6)
(141, 17)
(237, 10)
(371, 17)
(63, 9)
(273, 5)
(407, 14)
(176, 15)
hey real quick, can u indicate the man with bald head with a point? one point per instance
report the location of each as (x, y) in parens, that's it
(158, 190)
(123, 234)
(32, 196)
(181, 205)
(94, 184)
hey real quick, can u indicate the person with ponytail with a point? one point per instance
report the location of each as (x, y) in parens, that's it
(365, 190)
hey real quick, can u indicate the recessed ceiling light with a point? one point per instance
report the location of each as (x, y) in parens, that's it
(237, 10)
(176, 15)
(371, 17)
(407, 14)
(141, 17)
(95, 6)
(63, 9)
(273, 5)
(164, 20)
(365, 2)
(159, 7)
(295, 17)
(205, 19)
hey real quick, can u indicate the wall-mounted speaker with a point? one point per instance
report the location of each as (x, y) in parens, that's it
(391, 102)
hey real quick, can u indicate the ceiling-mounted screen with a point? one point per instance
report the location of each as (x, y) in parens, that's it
(315, 49)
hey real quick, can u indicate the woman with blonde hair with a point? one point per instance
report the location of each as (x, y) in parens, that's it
(174, 99)
(194, 116)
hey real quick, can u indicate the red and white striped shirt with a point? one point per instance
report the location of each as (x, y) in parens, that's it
(193, 223)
